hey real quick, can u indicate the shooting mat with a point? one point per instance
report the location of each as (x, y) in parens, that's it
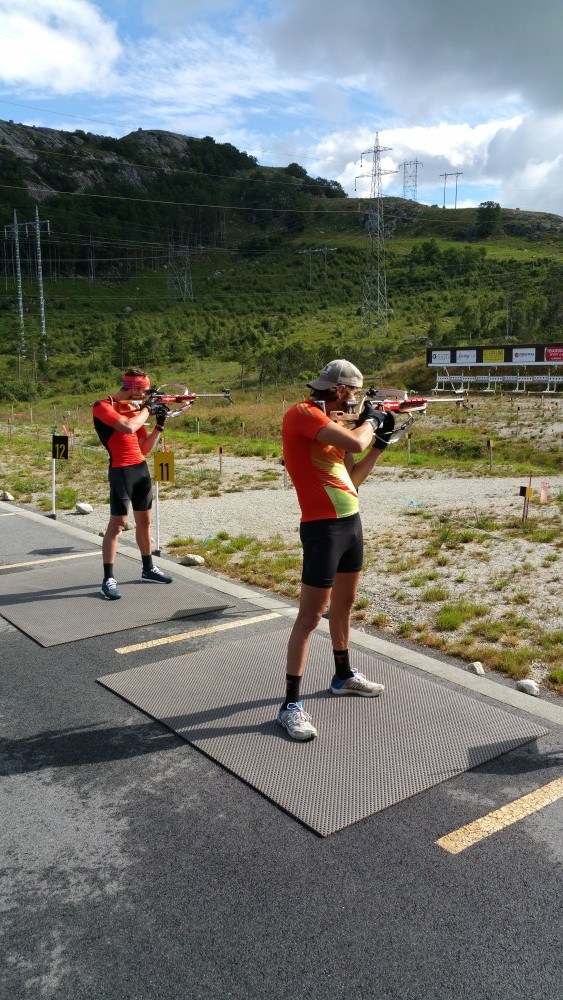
(60, 602)
(25, 540)
(369, 754)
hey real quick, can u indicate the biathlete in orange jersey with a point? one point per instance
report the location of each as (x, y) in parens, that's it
(119, 422)
(318, 455)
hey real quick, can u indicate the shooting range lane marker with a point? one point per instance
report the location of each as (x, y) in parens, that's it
(51, 559)
(480, 829)
(197, 632)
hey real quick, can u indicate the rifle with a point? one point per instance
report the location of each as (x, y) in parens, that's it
(399, 401)
(171, 393)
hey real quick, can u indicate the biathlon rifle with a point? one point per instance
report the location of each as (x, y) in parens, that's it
(172, 393)
(398, 401)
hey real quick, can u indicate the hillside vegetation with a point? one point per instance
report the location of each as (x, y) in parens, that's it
(186, 256)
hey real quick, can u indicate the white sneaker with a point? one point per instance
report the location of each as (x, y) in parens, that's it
(356, 684)
(296, 721)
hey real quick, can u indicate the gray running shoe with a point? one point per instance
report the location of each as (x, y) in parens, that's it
(356, 684)
(109, 590)
(296, 721)
(155, 575)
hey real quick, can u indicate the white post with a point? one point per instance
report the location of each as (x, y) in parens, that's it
(157, 520)
(53, 493)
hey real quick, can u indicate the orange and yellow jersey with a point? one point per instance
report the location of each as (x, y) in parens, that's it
(123, 449)
(322, 482)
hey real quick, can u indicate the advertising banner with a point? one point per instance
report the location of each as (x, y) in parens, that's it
(465, 357)
(523, 355)
(554, 354)
(493, 355)
(440, 357)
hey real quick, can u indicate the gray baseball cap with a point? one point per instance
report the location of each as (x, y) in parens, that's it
(339, 372)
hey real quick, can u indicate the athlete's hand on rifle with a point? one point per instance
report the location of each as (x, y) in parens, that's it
(157, 408)
(159, 411)
(384, 432)
(369, 413)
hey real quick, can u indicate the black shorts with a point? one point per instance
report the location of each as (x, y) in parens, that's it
(130, 484)
(331, 547)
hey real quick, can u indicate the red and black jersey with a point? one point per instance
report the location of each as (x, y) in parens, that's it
(123, 449)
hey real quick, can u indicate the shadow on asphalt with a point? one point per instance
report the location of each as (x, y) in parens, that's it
(83, 746)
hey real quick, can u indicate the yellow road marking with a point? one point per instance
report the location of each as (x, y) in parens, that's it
(35, 562)
(196, 632)
(481, 828)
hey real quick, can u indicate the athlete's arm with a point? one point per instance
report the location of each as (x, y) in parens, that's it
(355, 440)
(146, 444)
(130, 425)
(361, 470)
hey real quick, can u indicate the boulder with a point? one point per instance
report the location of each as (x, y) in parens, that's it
(529, 687)
(192, 560)
(84, 508)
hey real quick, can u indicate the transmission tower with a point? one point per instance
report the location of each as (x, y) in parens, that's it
(22, 351)
(374, 284)
(410, 169)
(179, 271)
(36, 224)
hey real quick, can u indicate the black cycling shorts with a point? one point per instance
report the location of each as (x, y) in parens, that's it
(330, 547)
(130, 485)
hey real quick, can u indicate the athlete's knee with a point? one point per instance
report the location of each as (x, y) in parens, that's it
(115, 528)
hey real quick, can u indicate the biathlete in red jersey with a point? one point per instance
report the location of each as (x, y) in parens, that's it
(119, 422)
(318, 455)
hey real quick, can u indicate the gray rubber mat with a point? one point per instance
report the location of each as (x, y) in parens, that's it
(369, 754)
(61, 602)
(24, 540)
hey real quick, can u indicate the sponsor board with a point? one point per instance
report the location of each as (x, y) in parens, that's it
(441, 357)
(493, 355)
(523, 355)
(466, 357)
(554, 354)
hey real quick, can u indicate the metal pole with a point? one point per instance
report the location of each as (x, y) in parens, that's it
(157, 520)
(19, 285)
(40, 283)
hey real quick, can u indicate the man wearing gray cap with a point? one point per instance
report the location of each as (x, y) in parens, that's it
(318, 454)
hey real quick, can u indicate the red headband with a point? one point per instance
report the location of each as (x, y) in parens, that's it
(140, 382)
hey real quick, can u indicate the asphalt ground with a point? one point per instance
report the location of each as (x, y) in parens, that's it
(135, 867)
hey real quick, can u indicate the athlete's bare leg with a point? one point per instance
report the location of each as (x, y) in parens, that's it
(116, 525)
(312, 605)
(143, 531)
(341, 603)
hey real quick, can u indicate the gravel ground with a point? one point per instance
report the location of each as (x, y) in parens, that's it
(267, 510)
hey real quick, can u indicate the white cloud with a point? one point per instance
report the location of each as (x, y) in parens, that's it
(425, 57)
(63, 45)
(469, 87)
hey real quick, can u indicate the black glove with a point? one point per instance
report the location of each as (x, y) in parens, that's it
(156, 407)
(375, 417)
(383, 434)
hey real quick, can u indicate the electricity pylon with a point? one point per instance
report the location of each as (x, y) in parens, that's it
(410, 179)
(37, 223)
(374, 284)
(179, 271)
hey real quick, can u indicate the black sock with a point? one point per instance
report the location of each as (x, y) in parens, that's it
(292, 685)
(147, 563)
(108, 571)
(342, 664)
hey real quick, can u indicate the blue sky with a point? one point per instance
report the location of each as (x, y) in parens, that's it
(472, 88)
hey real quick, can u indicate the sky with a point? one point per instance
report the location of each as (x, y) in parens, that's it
(468, 88)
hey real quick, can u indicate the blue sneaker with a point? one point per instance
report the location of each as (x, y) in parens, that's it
(296, 721)
(109, 590)
(155, 575)
(356, 684)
